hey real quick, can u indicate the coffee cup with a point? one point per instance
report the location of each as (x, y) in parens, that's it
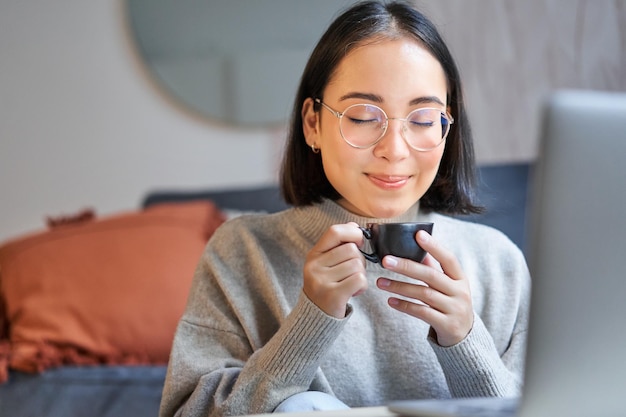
(397, 239)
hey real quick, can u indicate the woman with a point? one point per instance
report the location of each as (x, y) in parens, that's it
(285, 313)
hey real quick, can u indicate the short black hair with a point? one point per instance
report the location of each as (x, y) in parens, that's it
(303, 181)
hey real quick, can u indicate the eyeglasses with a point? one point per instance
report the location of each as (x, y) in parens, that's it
(364, 125)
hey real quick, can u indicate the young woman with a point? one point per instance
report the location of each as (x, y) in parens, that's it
(285, 313)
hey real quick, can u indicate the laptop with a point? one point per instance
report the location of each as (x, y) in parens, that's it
(576, 353)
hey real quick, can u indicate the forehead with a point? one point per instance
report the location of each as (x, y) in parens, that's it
(392, 68)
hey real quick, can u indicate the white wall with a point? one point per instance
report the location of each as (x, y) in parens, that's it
(82, 126)
(512, 54)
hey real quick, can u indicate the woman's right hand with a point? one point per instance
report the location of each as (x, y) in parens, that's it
(334, 270)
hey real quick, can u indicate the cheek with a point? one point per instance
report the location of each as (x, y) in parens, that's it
(336, 154)
(338, 162)
(429, 165)
(432, 159)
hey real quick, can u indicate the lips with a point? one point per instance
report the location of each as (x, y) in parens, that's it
(389, 181)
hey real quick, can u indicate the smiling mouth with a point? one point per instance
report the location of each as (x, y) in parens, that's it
(389, 181)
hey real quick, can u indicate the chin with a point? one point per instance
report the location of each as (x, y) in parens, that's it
(387, 211)
(379, 207)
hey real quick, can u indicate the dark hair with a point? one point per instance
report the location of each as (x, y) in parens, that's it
(303, 181)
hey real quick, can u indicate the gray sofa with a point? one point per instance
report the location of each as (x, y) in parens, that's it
(135, 391)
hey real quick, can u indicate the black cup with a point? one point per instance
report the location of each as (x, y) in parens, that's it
(397, 239)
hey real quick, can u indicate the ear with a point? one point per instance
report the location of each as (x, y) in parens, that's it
(310, 122)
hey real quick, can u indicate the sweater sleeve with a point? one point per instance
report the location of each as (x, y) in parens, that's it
(287, 364)
(215, 370)
(490, 360)
(473, 367)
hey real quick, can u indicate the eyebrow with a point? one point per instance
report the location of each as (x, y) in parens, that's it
(427, 99)
(378, 99)
(365, 96)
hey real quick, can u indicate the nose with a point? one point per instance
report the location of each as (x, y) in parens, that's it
(393, 146)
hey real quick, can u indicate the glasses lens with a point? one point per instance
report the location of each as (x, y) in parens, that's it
(362, 125)
(426, 128)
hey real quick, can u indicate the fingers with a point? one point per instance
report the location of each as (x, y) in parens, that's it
(337, 235)
(440, 296)
(438, 267)
(445, 258)
(332, 296)
(418, 310)
(423, 294)
(450, 315)
(450, 329)
(334, 270)
(432, 262)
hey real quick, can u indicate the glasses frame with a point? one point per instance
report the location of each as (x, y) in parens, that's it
(340, 115)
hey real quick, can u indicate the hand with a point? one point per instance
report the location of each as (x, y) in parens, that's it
(445, 301)
(334, 270)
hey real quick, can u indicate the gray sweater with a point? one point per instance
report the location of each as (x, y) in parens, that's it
(250, 338)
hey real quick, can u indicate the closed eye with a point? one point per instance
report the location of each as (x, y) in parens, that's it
(362, 121)
(422, 123)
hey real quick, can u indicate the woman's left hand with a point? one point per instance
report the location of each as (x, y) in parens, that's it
(445, 301)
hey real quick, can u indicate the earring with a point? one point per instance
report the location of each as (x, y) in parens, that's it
(314, 149)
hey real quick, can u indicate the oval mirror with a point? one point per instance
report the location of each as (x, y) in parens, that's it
(237, 61)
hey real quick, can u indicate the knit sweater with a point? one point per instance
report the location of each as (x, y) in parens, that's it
(250, 338)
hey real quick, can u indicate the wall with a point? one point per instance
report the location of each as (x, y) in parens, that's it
(81, 124)
(512, 53)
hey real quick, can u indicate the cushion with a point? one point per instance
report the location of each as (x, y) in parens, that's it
(108, 291)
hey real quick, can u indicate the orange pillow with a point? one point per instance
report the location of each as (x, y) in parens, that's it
(108, 291)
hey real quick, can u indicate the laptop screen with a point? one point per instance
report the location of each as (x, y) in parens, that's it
(575, 357)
